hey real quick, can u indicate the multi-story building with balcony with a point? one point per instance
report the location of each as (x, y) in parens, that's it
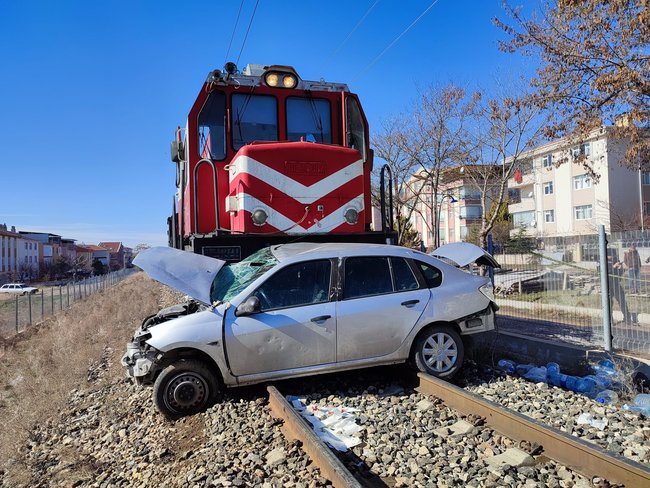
(19, 256)
(551, 194)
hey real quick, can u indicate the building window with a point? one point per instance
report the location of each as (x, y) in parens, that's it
(548, 188)
(469, 193)
(549, 215)
(581, 182)
(547, 161)
(523, 219)
(584, 149)
(514, 195)
(646, 208)
(471, 212)
(646, 177)
(582, 212)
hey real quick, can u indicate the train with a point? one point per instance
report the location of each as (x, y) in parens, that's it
(267, 158)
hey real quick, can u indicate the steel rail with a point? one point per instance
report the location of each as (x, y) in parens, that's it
(574, 453)
(295, 427)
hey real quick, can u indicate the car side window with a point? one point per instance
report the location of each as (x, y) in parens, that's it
(432, 275)
(366, 276)
(402, 274)
(298, 284)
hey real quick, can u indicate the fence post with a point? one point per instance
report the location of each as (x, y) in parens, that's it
(52, 289)
(604, 287)
(42, 305)
(60, 298)
(29, 297)
(67, 287)
(16, 313)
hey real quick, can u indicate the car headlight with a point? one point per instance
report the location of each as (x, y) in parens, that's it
(259, 216)
(488, 290)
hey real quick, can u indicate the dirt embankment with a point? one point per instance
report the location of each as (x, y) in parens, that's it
(75, 353)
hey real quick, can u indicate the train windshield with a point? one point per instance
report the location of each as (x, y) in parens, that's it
(309, 119)
(255, 118)
(212, 127)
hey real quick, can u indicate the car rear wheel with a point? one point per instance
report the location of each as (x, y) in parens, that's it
(184, 388)
(438, 351)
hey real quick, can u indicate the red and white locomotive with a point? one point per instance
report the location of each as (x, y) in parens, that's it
(267, 158)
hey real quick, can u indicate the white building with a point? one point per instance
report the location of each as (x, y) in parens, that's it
(548, 200)
(19, 256)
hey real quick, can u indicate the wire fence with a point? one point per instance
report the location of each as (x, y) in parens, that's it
(551, 289)
(19, 312)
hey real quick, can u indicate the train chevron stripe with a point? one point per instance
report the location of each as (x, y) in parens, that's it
(280, 222)
(309, 193)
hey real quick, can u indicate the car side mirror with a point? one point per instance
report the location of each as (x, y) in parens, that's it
(248, 307)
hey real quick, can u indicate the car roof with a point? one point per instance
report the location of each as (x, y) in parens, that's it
(316, 250)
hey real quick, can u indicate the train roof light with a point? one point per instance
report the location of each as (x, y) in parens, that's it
(289, 81)
(272, 79)
(280, 76)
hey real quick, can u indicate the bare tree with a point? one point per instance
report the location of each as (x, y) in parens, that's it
(506, 127)
(594, 68)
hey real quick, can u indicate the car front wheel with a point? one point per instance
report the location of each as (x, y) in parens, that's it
(184, 388)
(439, 351)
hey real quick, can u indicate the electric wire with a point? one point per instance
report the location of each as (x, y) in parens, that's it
(247, 31)
(233, 31)
(340, 46)
(372, 63)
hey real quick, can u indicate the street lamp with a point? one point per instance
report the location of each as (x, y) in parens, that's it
(451, 200)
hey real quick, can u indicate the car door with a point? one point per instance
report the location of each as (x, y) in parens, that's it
(296, 326)
(381, 302)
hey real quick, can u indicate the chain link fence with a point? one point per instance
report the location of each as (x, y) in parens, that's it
(550, 288)
(19, 312)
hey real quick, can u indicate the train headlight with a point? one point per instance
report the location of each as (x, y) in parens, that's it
(289, 81)
(351, 216)
(259, 216)
(272, 79)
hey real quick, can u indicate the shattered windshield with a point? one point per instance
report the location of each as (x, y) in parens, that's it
(233, 278)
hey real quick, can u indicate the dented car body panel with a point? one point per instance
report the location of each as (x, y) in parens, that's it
(316, 308)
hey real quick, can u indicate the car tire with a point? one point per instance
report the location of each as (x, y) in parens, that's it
(183, 388)
(438, 351)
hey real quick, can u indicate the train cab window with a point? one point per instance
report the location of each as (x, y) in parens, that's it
(254, 118)
(212, 127)
(309, 119)
(355, 136)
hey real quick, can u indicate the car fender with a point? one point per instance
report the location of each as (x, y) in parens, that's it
(200, 331)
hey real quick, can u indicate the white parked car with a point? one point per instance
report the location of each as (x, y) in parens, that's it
(18, 289)
(302, 309)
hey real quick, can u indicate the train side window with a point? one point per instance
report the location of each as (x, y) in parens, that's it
(355, 136)
(432, 275)
(254, 118)
(309, 117)
(212, 127)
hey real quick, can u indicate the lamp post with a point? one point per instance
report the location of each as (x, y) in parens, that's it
(451, 200)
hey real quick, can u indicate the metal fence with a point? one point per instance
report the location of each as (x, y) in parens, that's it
(551, 288)
(19, 312)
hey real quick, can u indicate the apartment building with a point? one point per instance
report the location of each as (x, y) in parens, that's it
(459, 206)
(19, 256)
(548, 199)
(50, 245)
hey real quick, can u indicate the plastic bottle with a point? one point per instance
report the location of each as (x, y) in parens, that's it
(507, 365)
(522, 369)
(538, 375)
(642, 400)
(557, 379)
(602, 382)
(607, 396)
(552, 368)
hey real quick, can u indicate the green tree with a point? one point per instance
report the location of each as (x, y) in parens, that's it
(409, 237)
(98, 267)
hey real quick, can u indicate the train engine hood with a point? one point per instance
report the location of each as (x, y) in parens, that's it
(184, 271)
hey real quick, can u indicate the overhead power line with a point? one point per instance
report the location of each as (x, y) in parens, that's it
(336, 51)
(247, 31)
(372, 63)
(233, 31)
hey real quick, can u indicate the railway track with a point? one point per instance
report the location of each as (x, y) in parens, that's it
(497, 439)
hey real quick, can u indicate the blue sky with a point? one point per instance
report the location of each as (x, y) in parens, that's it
(91, 92)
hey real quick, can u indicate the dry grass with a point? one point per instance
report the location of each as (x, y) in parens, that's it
(40, 366)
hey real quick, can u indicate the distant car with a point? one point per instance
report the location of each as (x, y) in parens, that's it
(301, 309)
(18, 289)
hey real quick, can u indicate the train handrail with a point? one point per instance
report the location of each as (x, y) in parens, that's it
(387, 224)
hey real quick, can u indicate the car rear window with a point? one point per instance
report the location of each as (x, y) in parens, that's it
(432, 275)
(404, 278)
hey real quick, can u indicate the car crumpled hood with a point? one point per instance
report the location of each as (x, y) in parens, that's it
(465, 253)
(184, 271)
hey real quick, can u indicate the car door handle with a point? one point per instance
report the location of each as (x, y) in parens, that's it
(321, 318)
(410, 303)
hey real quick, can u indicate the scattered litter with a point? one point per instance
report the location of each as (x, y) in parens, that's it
(641, 404)
(588, 419)
(335, 426)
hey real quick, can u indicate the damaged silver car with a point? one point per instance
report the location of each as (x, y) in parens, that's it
(302, 309)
